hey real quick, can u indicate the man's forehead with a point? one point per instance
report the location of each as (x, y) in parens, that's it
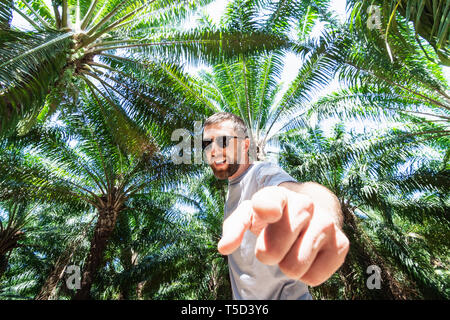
(219, 129)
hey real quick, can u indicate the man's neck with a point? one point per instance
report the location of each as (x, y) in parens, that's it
(239, 172)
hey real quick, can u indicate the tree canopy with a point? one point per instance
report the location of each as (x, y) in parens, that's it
(91, 92)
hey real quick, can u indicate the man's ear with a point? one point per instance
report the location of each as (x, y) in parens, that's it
(247, 147)
(242, 157)
(247, 144)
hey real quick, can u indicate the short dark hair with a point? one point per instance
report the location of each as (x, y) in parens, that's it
(219, 117)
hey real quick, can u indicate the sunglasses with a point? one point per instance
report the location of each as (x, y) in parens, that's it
(222, 141)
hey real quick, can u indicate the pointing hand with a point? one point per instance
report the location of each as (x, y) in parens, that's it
(306, 245)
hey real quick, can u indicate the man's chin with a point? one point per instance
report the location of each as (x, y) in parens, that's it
(221, 174)
(225, 173)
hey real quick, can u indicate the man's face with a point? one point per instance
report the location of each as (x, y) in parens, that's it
(226, 153)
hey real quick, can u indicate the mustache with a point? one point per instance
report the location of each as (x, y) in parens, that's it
(228, 172)
(228, 160)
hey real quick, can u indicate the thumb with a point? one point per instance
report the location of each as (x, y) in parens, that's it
(234, 228)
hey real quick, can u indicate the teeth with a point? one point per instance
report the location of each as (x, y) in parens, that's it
(220, 162)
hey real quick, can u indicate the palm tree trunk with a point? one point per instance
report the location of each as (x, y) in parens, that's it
(3, 264)
(8, 242)
(103, 231)
(128, 257)
(127, 262)
(139, 290)
(48, 290)
(364, 254)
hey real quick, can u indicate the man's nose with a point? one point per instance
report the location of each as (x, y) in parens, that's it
(215, 148)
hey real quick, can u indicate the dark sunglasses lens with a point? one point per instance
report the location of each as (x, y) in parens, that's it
(226, 141)
(206, 143)
(222, 142)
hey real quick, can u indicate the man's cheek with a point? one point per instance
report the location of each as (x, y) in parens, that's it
(237, 159)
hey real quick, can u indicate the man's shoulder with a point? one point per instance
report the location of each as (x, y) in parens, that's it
(266, 171)
(265, 164)
(267, 167)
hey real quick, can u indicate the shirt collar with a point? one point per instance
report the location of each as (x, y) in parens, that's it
(238, 179)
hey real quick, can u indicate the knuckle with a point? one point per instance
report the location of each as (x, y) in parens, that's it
(267, 250)
(326, 225)
(268, 205)
(289, 271)
(261, 195)
(313, 282)
(300, 209)
(267, 256)
(307, 201)
(305, 214)
(293, 269)
(343, 245)
(313, 279)
(298, 219)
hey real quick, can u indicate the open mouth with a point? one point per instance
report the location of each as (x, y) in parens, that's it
(218, 162)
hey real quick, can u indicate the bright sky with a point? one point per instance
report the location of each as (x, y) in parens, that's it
(292, 63)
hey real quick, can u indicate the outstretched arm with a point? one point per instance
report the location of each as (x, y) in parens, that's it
(298, 228)
(324, 200)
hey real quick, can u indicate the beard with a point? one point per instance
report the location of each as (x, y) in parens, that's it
(225, 173)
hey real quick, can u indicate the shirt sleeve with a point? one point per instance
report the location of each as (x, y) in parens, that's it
(270, 174)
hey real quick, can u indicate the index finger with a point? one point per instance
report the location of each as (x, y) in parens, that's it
(266, 207)
(268, 204)
(234, 228)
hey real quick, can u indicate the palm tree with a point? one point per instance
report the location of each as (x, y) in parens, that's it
(429, 18)
(86, 162)
(48, 237)
(166, 247)
(207, 196)
(12, 232)
(73, 247)
(387, 83)
(376, 199)
(149, 243)
(115, 94)
(76, 43)
(250, 87)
